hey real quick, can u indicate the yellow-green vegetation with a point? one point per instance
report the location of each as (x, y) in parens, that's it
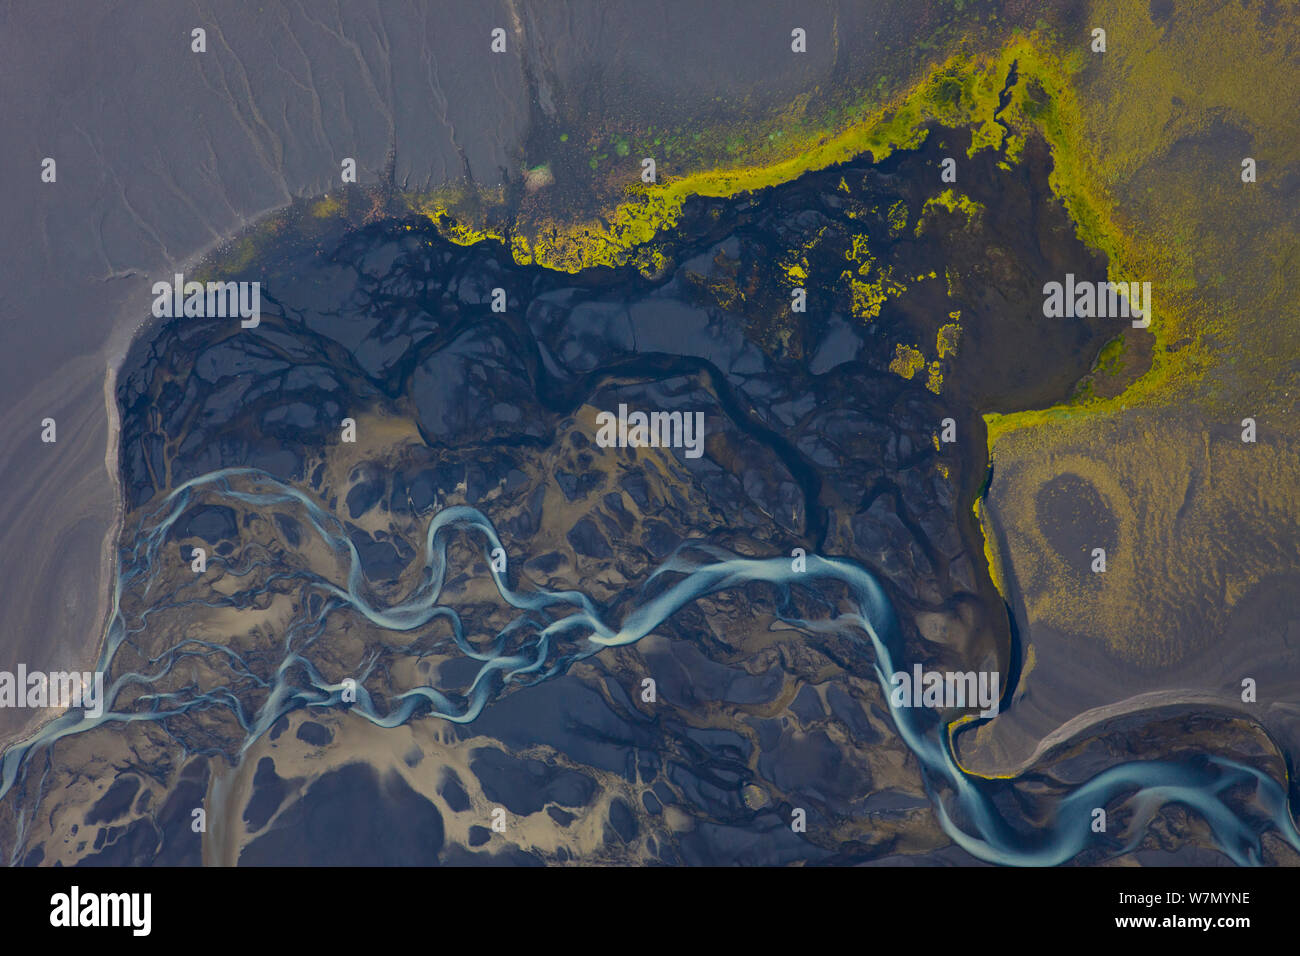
(457, 228)
(651, 262)
(907, 361)
(327, 207)
(461, 212)
(952, 201)
(240, 254)
(1186, 553)
(1202, 517)
(868, 297)
(237, 255)
(897, 218)
(1157, 205)
(962, 91)
(860, 254)
(992, 558)
(796, 273)
(1109, 358)
(948, 337)
(934, 377)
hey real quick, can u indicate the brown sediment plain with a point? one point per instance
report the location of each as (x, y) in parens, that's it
(1202, 571)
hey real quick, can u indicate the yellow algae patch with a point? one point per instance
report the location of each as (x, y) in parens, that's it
(948, 277)
(241, 253)
(868, 297)
(457, 213)
(326, 207)
(897, 218)
(992, 559)
(797, 272)
(907, 361)
(860, 253)
(651, 262)
(519, 251)
(461, 233)
(934, 379)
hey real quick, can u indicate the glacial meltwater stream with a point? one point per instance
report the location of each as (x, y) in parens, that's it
(567, 626)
